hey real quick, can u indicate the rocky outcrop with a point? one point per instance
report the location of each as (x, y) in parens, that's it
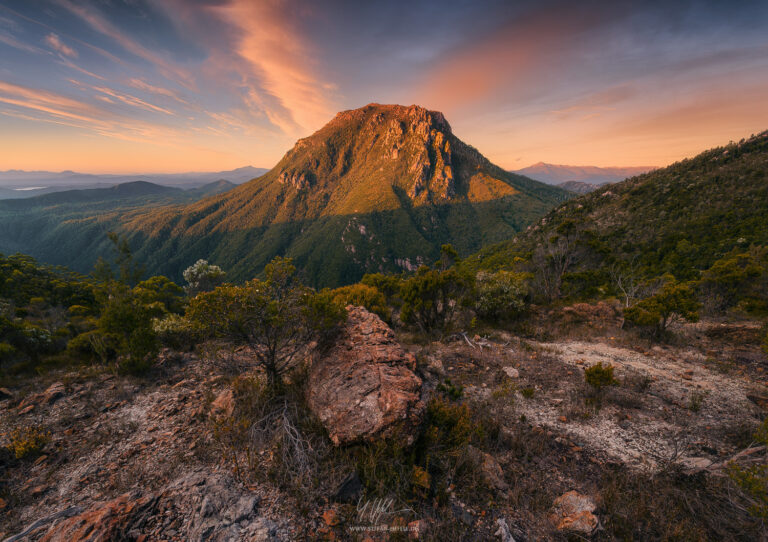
(364, 387)
(574, 512)
(110, 521)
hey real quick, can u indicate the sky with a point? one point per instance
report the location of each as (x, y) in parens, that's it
(119, 86)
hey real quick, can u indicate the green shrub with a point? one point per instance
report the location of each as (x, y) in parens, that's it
(432, 296)
(500, 295)
(202, 277)
(278, 317)
(753, 480)
(452, 391)
(175, 331)
(656, 312)
(363, 296)
(600, 376)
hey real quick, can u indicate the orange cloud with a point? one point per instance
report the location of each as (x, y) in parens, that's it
(279, 58)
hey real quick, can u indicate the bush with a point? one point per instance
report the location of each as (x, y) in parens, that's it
(656, 312)
(202, 277)
(277, 317)
(27, 441)
(364, 296)
(175, 331)
(500, 295)
(600, 376)
(753, 480)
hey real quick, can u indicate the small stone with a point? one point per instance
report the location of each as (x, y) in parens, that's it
(330, 518)
(54, 392)
(5, 395)
(511, 372)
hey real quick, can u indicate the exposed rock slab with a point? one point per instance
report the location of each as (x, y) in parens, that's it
(364, 387)
(574, 512)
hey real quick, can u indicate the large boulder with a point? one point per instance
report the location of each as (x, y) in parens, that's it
(364, 387)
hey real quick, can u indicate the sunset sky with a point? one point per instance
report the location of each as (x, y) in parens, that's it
(193, 85)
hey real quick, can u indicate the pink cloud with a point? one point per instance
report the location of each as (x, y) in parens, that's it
(56, 44)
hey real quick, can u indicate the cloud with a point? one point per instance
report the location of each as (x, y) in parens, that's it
(140, 84)
(55, 43)
(284, 83)
(103, 26)
(16, 44)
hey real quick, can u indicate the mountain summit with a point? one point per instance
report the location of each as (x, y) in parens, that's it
(379, 188)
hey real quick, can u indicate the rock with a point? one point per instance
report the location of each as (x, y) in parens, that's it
(364, 387)
(103, 522)
(574, 512)
(759, 400)
(224, 404)
(245, 508)
(5, 395)
(435, 366)
(503, 531)
(330, 518)
(490, 468)
(54, 392)
(349, 489)
(417, 529)
(511, 372)
(695, 464)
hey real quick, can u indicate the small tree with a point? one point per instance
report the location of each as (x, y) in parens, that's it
(675, 300)
(500, 295)
(432, 296)
(202, 277)
(277, 317)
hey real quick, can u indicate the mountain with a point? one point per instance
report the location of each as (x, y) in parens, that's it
(578, 187)
(379, 188)
(678, 219)
(557, 174)
(25, 184)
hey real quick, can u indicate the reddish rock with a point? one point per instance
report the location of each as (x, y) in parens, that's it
(102, 523)
(574, 512)
(365, 387)
(54, 392)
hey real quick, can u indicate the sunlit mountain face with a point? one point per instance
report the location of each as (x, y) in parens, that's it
(175, 85)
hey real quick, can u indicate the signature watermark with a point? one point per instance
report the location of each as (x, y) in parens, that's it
(373, 515)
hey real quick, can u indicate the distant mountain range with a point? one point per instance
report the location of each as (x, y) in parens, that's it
(558, 174)
(25, 184)
(379, 188)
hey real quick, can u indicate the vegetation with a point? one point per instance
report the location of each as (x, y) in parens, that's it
(656, 312)
(276, 317)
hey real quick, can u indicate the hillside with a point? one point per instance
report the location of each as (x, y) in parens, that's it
(377, 189)
(578, 187)
(71, 225)
(557, 174)
(678, 219)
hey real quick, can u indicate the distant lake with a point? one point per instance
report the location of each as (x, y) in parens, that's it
(32, 188)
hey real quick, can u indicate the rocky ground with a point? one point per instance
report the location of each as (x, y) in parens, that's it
(135, 458)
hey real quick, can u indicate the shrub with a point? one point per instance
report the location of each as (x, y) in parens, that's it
(451, 390)
(94, 346)
(656, 312)
(202, 277)
(600, 376)
(500, 295)
(27, 441)
(364, 296)
(175, 331)
(432, 296)
(753, 480)
(278, 317)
